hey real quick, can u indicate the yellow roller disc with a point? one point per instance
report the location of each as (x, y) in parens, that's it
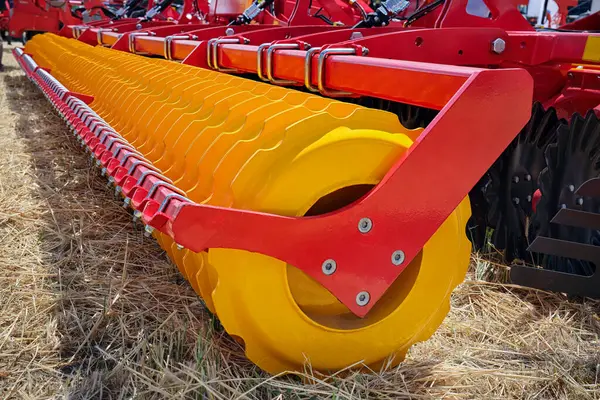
(306, 157)
(287, 319)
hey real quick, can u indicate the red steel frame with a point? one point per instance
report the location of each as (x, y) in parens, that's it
(484, 96)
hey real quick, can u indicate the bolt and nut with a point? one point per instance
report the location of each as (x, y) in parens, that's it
(329, 266)
(363, 298)
(365, 225)
(498, 46)
(398, 257)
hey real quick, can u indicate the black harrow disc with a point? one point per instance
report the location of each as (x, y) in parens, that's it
(567, 218)
(503, 198)
(572, 160)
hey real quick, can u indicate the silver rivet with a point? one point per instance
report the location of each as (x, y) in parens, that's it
(365, 225)
(229, 31)
(570, 75)
(571, 188)
(515, 179)
(580, 201)
(329, 266)
(397, 257)
(528, 177)
(363, 298)
(516, 200)
(529, 198)
(563, 206)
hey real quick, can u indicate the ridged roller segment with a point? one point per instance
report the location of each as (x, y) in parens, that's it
(228, 141)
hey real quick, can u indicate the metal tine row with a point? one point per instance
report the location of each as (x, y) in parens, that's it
(132, 175)
(558, 281)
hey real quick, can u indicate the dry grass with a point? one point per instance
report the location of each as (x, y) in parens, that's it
(90, 309)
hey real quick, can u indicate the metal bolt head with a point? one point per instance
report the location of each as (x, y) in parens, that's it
(498, 46)
(148, 230)
(516, 200)
(229, 31)
(571, 188)
(515, 179)
(580, 201)
(363, 298)
(329, 266)
(529, 199)
(365, 225)
(528, 178)
(398, 257)
(179, 247)
(355, 35)
(570, 75)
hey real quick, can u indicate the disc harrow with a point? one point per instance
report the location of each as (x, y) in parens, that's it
(317, 184)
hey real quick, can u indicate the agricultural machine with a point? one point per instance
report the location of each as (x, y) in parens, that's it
(30, 17)
(5, 8)
(320, 171)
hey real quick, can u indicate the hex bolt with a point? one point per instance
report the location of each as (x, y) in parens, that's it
(329, 266)
(498, 46)
(528, 178)
(580, 201)
(529, 199)
(571, 188)
(516, 200)
(148, 230)
(229, 32)
(363, 298)
(398, 257)
(515, 179)
(365, 225)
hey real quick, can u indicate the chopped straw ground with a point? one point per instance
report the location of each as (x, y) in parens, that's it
(91, 309)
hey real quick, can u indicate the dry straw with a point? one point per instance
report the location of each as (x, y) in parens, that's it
(90, 309)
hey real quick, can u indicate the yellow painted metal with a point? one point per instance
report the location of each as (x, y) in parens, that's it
(591, 52)
(237, 143)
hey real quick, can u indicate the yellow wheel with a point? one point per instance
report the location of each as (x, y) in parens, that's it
(287, 319)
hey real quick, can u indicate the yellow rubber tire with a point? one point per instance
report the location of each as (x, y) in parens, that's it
(286, 319)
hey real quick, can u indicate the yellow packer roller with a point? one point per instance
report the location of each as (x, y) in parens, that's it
(308, 225)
